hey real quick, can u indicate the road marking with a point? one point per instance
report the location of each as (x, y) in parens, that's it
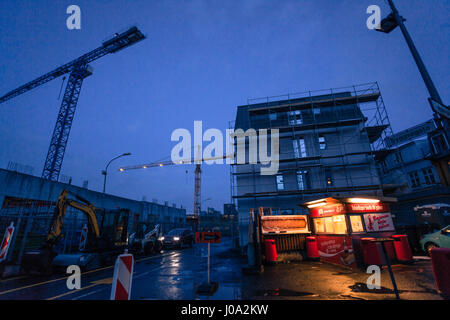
(88, 294)
(64, 278)
(106, 281)
(73, 291)
(94, 283)
(14, 278)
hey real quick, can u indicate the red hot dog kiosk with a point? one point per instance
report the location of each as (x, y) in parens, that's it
(340, 223)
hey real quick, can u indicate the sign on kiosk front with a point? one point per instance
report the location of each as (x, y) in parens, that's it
(378, 222)
(340, 223)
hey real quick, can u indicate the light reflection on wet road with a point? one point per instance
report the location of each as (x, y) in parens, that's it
(174, 274)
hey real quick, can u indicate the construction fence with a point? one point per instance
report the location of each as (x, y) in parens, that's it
(32, 219)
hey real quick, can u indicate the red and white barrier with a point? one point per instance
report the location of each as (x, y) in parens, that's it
(440, 260)
(123, 275)
(83, 238)
(6, 242)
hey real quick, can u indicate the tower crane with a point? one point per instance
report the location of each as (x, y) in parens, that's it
(198, 176)
(79, 69)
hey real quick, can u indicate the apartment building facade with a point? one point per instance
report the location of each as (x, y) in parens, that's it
(326, 144)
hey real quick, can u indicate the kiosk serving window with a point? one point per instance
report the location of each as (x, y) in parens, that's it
(356, 223)
(334, 225)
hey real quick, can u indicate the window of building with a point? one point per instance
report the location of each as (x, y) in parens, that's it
(322, 143)
(384, 166)
(299, 148)
(356, 223)
(295, 117)
(334, 225)
(319, 225)
(414, 179)
(280, 182)
(339, 224)
(316, 111)
(329, 224)
(272, 116)
(429, 176)
(398, 157)
(302, 176)
(328, 177)
(439, 143)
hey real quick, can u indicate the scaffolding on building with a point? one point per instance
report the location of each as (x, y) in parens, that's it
(369, 112)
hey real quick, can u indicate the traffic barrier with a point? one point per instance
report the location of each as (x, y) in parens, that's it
(6, 242)
(402, 248)
(123, 275)
(370, 252)
(312, 249)
(440, 260)
(83, 238)
(270, 250)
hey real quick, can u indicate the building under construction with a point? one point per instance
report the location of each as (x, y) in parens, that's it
(327, 141)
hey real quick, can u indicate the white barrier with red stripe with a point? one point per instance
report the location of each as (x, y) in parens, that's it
(6, 242)
(123, 275)
(83, 238)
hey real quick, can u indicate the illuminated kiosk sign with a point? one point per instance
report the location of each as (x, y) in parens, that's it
(340, 223)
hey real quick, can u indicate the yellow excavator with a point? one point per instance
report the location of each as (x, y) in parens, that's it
(104, 241)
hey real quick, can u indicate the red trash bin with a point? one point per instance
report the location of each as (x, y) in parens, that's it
(311, 247)
(270, 250)
(370, 252)
(440, 259)
(402, 248)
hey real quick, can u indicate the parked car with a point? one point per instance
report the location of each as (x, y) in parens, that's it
(178, 237)
(439, 239)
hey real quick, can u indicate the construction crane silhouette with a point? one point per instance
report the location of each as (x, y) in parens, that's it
(198, 176)
(79, 69)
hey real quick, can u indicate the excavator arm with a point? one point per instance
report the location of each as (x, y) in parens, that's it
(59, 214)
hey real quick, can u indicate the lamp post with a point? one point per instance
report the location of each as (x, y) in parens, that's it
(439, 139)
(105, 172)
(387, 25)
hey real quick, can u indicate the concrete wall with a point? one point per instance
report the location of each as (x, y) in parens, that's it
(14, 184)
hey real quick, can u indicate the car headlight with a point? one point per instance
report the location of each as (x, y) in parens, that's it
(176, 238)
(161, 238)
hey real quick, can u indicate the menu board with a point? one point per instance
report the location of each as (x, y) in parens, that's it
(378, 222)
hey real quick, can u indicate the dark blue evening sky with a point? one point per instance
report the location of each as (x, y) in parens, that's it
(200, 60)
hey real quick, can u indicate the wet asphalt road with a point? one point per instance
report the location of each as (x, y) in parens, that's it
(173, 274)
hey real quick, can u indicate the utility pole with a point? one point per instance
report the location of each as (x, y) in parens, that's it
(423, 70)
(439, 139)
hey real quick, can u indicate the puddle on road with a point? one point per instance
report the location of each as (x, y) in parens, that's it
(280, 292)
(343, 273)
(223, 293)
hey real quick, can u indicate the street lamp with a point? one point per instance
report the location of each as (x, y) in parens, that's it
(105, 172)
(387, 25)
(439, 139)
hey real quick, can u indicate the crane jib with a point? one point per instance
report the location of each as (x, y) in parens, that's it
(117, 43)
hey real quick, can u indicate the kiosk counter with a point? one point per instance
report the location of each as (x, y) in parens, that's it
(339, 224)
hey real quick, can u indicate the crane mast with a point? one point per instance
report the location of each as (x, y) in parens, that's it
(79, 69)
(197, 194)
